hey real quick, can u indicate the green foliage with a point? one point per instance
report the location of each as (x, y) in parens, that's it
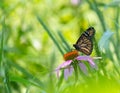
(35, 34)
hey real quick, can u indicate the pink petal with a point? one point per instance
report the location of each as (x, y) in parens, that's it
(91, 61)
(86, 58)
(83, 67)
(57, 73)
(94, 66)
(63, 65)
(68, 72)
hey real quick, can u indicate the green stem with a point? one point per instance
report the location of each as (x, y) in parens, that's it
(74, 64)
(99, 55)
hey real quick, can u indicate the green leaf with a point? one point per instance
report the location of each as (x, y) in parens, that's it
(104, 41)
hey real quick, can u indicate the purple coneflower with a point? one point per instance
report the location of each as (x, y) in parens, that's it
(70, 57)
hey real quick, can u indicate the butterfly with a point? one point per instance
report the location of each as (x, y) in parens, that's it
(85, 44)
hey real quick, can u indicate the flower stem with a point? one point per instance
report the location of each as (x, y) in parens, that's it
(75, 69)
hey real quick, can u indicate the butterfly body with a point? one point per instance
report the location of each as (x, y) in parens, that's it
(84, 44)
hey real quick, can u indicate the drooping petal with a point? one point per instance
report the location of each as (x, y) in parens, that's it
(94, 66)
(68, 72)
(63, 65)
(83, 67)
(71, 70)
(57, 72)
(90, 60)
(86, 58)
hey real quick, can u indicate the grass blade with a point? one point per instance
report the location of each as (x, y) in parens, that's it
(3, 63)
(66, 47)
(94, 7)
(50, 34)
(26, 73)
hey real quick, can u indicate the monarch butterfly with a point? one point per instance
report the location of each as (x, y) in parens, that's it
(84, 44)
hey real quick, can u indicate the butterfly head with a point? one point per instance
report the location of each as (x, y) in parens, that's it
(76, 46)
(90, 31)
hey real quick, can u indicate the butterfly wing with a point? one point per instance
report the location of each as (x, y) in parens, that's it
(84, 43)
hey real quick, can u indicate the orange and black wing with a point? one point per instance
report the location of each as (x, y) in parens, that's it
(84, 44)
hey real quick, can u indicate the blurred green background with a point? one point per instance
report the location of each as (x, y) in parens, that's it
(29, 54)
